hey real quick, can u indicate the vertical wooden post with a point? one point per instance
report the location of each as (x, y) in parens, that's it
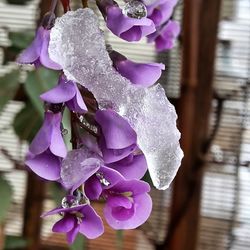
(200, 24)
(33, 209)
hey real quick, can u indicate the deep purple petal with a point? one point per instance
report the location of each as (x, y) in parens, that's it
(132, 167)
(44, 56)
(122, 213)
(91, 226)
(64, 225)
(93, 188)
(32, 53)
(116, 130)
(140, 73)
(142, 209)
(63, 92)
(46, 165)
(119, 201)
(71, 235)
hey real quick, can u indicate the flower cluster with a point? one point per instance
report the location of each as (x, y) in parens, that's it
(105, 163)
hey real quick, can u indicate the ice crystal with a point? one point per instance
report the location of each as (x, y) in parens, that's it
(78, 45)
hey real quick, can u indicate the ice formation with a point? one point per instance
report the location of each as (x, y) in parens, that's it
(78, 45)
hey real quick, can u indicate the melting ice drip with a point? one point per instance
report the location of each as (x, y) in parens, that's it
(78, 45)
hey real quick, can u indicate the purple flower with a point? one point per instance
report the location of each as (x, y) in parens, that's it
(165, 37)
(47, 149)
(127, 28)
(160, 11)
(77, 219)
(142, 74)
(118, 139)
(37, 52)
(68, 92)
(127, 203)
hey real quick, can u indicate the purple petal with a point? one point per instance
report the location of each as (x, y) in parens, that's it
(93, 188)
(91, 226)
(136, 187)
(71, 235)
(116, 130)
(46, 165)
(132, 167)
(42, 140)
(63, 92)
(57, 145)
(140, 73)
(32, 53)
(77, 103)
(119, 201)
(59, 210)
(142, 209)
(64, 225)
(44, 56)
(128, 28)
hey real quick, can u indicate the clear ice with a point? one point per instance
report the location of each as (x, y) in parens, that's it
(78, 166)
(78, 45)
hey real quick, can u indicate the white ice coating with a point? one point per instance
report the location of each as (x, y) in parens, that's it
(78, 45)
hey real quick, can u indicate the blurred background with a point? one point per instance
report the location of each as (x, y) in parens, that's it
(207, 79)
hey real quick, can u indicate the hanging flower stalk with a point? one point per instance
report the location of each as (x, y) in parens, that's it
(122, 123)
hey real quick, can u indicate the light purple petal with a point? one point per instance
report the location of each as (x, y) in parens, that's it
(32, 53)
(42, 140)
(46, 165)
(44, 56)
(57, 145)
(132, 167)
(119, 201)
(136, 187)
(116, 130)
(142, 210)
(91, 226)
(139, 73)
(114, 155)
(64, 225)
(63, 92)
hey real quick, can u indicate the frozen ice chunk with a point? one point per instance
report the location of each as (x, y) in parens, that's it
(78, 166)
(78, 45)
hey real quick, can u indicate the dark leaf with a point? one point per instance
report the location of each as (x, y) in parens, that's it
(21, 40)
(38, 82)
(6, 196)
(27, 122)
(15, 242)
(9, 84)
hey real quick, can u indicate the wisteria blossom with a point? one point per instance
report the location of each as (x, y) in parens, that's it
(37, 52)
(160, 11)
(141, 74)
(109, 105)
(77, 219)
(127, 28)
(165, 37)
(66, 92)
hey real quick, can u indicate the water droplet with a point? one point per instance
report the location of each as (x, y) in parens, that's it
(135, 9)
(103, 181)
(70, 201)
(64, 131)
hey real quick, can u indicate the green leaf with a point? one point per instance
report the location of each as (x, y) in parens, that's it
(14, 242)
(56, 192)
(27, 122)
(6, 196)
(38, 82)
(9, 84)
(79, 243)
(21, 40)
